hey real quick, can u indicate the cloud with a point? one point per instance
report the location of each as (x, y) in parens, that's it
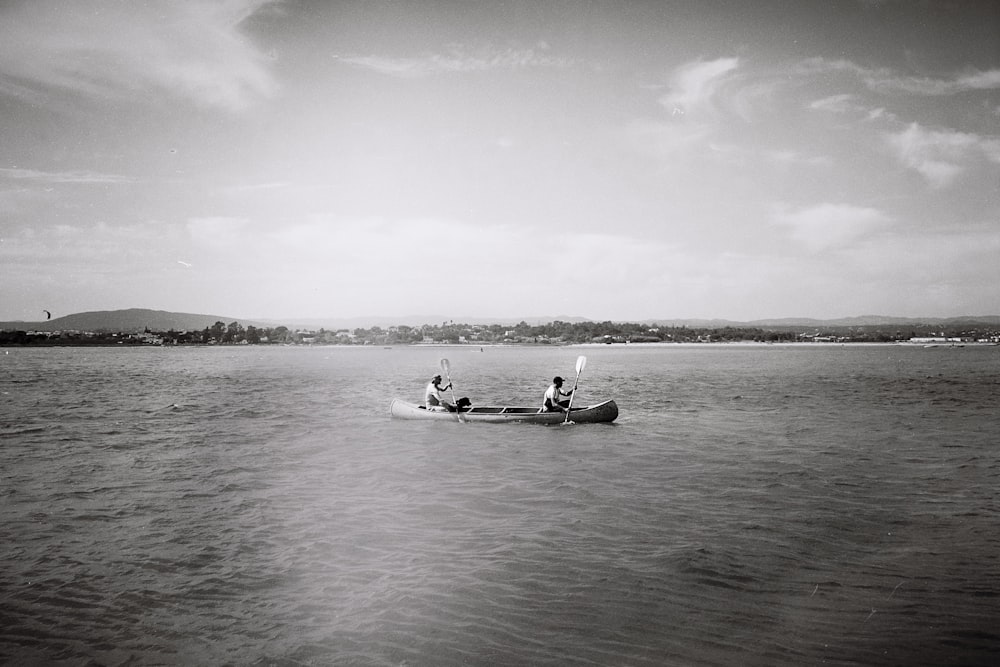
(30, 193)
(458, 61)
(270, 186)
(941, 156)
(98, 248)
(885, 80)
(218, 233)
(880, 113)
(79, 176)
(795, 158)
(989, 80)
(847, 103)
(662, 139)
(837, 104)
(829, 226)
(692, 109)
(107, 49)
(694, 85)
(400, 265)
(957, 268)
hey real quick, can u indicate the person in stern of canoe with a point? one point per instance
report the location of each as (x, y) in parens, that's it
(551, 402)
(433, 399)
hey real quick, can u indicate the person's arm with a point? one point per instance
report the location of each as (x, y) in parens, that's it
(441, 395)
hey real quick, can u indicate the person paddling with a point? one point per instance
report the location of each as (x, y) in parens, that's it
(433, 399)
(551, 402)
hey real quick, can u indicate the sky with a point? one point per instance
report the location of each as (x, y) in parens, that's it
(617, 161)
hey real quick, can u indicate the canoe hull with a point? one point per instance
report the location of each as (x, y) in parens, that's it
(593, 414)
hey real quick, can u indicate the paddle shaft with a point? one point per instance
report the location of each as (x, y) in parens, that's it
(580, 363)
(447, 373)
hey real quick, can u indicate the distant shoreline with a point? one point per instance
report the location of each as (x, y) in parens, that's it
(616, 346)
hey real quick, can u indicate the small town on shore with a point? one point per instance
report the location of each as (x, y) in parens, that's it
(553, 333)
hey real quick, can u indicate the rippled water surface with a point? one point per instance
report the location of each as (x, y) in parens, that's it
(753, 505)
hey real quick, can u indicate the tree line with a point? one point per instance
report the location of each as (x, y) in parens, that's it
(219, 333)
(552, 333)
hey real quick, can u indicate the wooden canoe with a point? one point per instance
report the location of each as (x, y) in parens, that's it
(592, 414)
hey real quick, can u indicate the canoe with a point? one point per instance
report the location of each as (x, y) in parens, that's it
(592, 414)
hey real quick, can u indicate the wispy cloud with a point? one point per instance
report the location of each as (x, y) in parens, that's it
(98, 248)
(840, 103)
(829, 226)
(110, 49)
(941, 156)
(882, 79)
(691, 106)
(216, 232)
(693, 86)
(796, 158)
(846, 103)
(239, 190)
(989, 80)
(48, 177)
(458, 60)
(659, 138)
(332, 250)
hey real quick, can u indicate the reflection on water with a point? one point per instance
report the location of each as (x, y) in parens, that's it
(751, 505)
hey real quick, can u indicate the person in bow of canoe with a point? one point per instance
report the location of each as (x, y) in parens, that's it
(433, 395)
(551, 401)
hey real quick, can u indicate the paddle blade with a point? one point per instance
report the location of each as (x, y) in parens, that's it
(446, 367)
(581, 363)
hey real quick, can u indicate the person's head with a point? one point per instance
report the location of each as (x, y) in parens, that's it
(436, 379)
(557, 381)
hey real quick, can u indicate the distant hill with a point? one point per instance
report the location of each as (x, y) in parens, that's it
(139, 319)
(129, 321)
(810, 323)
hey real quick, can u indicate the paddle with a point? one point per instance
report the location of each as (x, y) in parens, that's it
(581, 363)
(446, 367)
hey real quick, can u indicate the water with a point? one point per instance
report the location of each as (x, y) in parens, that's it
(753, 505)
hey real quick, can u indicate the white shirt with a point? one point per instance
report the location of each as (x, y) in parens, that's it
(552, 394)
(432, 395)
